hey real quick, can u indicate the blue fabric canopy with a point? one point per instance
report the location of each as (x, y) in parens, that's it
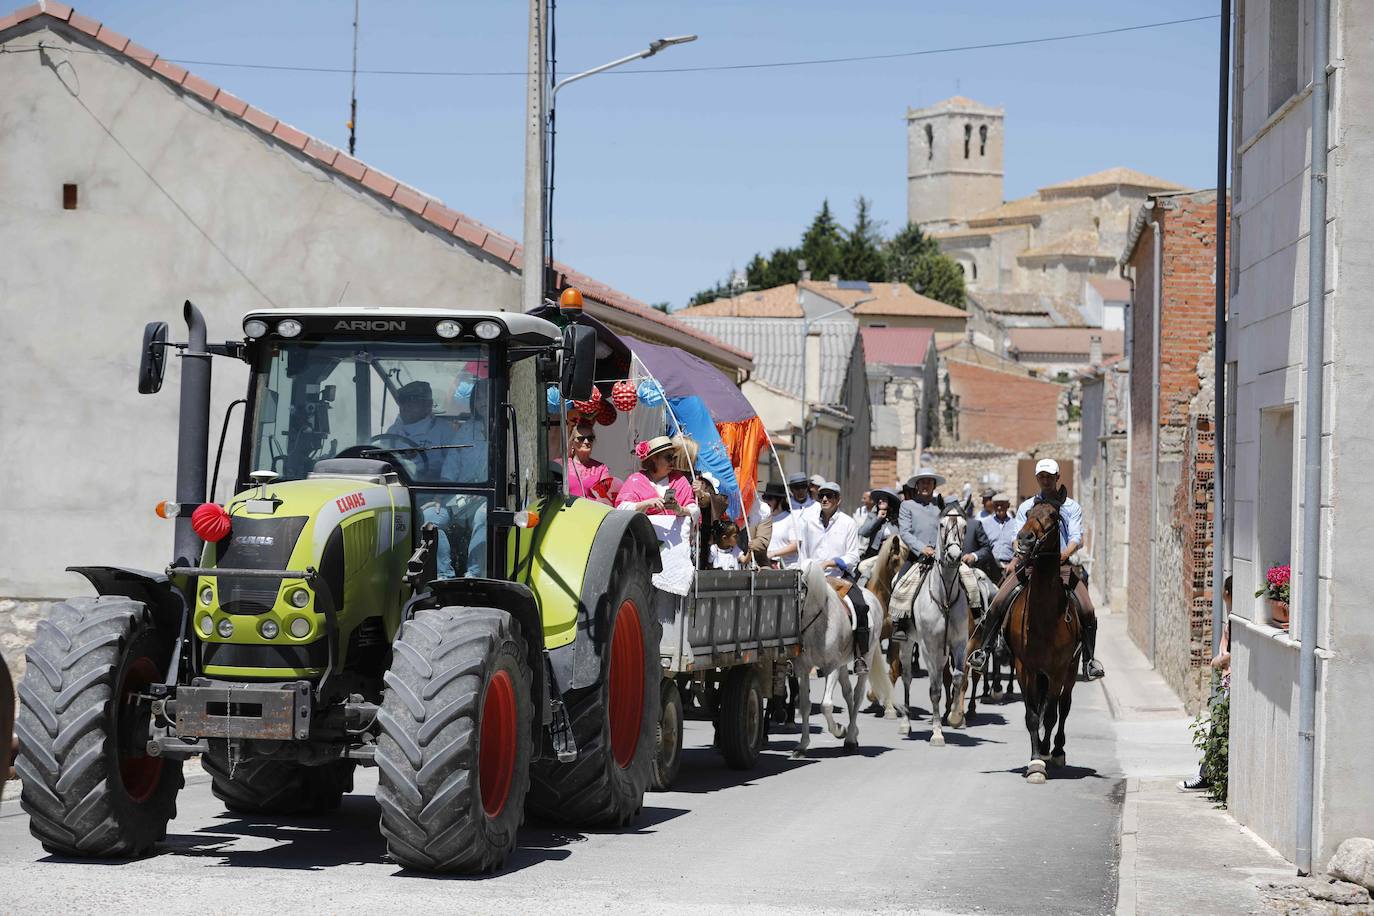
(712, 457)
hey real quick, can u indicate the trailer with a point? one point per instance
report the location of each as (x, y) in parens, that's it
(727, 650)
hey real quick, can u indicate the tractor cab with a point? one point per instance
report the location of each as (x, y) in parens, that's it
(446, 403)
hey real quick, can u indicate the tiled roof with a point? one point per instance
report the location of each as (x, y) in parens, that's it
(777, 302)
(1011, 303)
(1080, 243)
(1064, 340)
(884, 299)
(1109, 178)
(777, 347)
(1112, 289)
(897, 346)
(493, 244)
(956, 103)
(1021, 210)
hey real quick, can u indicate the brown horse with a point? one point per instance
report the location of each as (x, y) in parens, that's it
(1042, 631)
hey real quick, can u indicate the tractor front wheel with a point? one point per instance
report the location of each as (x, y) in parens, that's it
(453, 756)
(614, 721)
(90, 789)
(266, 786)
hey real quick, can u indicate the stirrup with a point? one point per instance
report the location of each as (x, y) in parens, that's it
(860, 666)
(978, 660)
(1095, 670)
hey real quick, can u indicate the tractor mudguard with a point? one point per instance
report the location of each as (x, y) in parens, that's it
(578, 664)
(513, 598)
(155, 590)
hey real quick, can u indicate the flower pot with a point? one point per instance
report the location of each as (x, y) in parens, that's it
(1278, 613)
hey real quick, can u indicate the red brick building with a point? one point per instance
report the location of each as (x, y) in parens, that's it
(1171, 257)
(1005, 408)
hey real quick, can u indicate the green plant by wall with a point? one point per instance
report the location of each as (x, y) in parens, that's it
(1211, 736)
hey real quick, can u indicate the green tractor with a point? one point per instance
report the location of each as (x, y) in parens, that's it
(399, 581)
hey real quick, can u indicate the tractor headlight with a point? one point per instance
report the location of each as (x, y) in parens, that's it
(254, 328)
(299, 597)
(207, 625)
(299, 627)
(448, 328)
(207, 595)
(487, 330)
(289, 328)
(226, 628)
(269, 629)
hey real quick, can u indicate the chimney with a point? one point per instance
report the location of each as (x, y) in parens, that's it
(811, 385)
(1095, 350)
(834, 279)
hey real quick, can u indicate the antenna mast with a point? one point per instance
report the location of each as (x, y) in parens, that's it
(353, 94)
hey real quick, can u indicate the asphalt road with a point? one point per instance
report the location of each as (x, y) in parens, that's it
(900, 827)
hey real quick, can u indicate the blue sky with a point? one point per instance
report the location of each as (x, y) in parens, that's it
(667, 180)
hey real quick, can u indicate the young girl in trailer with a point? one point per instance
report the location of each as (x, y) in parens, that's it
(725, 552)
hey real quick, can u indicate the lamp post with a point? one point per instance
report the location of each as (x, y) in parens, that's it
(654, 47)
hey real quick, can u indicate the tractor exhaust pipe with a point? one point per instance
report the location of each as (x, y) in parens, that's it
(193, 441)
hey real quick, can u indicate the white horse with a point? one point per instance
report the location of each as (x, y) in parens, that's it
(827, 643)
(941, 616)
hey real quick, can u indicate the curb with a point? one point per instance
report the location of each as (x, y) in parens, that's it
(1126, 879)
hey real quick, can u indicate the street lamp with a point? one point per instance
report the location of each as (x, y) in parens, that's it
(654, 47)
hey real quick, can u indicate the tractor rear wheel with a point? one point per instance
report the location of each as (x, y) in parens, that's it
(742, 723)
(614, 721)
(90, 789)
(453, 756)
(266, 786)
(668, 760)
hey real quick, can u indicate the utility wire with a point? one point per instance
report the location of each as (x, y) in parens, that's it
(767, 65)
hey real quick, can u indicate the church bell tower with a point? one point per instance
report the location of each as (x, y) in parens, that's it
(954, 162)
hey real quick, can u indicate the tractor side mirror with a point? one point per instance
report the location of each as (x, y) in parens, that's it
(579, 362)
(152, 365)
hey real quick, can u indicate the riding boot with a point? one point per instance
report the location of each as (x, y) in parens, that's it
(1095, 669)
(861, 630)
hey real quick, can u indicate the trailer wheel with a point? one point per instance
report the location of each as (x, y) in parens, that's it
(615, 721)
(266, 786)
(668, 760)
(90, 789)
(454, 751)
(742, 725)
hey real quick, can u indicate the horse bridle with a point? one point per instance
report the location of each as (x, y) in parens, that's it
(1036, 552)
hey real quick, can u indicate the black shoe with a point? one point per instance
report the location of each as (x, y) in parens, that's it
(1196, 784)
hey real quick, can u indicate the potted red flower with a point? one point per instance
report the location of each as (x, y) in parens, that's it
(1275, 590)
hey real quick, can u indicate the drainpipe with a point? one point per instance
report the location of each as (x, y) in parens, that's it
(1156, 300)
(1312, 443)
(1219, 344)
(1129, 277)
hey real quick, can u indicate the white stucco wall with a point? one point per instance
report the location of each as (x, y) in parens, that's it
(1267, 342)
(176, 201)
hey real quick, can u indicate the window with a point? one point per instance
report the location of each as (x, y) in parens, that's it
(1274, 498)
(1285, 28)
(983, 140)
(930, 142)
(968, 138)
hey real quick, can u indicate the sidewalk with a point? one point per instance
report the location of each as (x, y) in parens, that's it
(1179, 852)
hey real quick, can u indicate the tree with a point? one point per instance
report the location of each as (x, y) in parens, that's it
(861, 256)
(821, 244)
(914, 258)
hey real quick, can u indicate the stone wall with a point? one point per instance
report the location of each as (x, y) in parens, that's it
(18, 623)
(977, 463)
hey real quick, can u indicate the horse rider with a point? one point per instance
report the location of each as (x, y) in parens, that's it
(991, 538)
(831, 538)
(987, 495)
(1070, 542)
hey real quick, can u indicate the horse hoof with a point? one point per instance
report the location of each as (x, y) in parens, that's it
(1058, 760)
(1036, 779)
(956, 721)
(798, 754)
(904, 727)
(937, 740)
(889, 713)
(1036, 768)
(851, 747)
(996, 696)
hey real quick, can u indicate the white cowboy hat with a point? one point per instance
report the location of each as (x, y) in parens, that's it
(924, 473)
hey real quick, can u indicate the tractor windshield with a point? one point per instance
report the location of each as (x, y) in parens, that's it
(427, 406)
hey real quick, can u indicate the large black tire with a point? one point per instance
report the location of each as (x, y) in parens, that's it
(668, 758)
(743, 724)
(614, 721)
(6, 720)
(265, 786)
(453, 755)
(88, 790)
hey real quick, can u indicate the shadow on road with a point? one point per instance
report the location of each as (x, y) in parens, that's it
(1069, 772)
(704, 770)
(955, 737)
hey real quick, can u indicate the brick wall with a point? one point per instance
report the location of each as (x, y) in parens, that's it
(1175, 587)
(1006, 409)
(882, 466)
